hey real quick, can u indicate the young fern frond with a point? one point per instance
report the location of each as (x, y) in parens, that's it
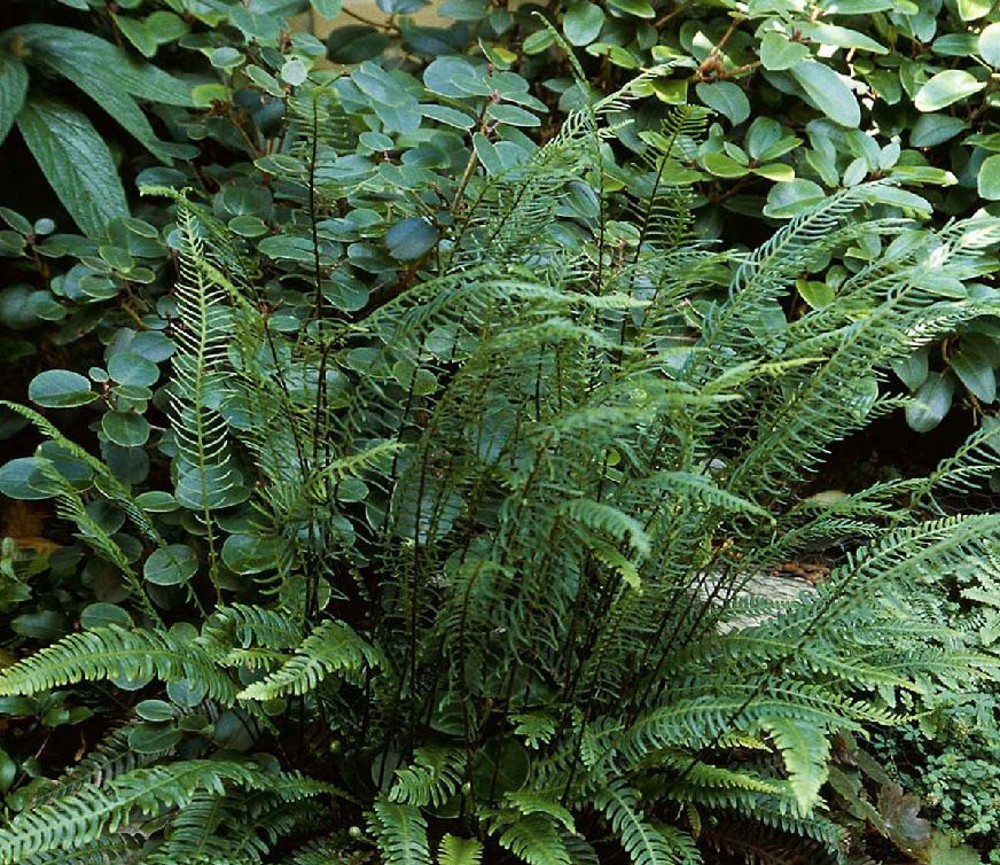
(206, 478)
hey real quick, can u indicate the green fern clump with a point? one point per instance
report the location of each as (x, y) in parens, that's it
(476, 556)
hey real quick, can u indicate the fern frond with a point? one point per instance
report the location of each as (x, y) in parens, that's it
(805, 751)
(112, 652)
(534, 840)
(333, 647)
(401, 833)
(432, 778)
(206, 478)
(459, 851)
(101, 851)
(643, 844)
(82, 817)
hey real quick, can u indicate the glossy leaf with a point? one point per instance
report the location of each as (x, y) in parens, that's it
(171, 566)
(60, 388)
(726, 98)
(930, 403)
(946, 88)
(988, 180)
(411, 238)
(828, 91)
(583, 22)
(778, 52)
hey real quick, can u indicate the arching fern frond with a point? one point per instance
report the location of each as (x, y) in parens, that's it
(643, 843)
(333, 647)
(82, 817)
(112, 652)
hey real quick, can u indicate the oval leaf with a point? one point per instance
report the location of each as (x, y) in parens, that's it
(171, 566)
(930, 403)
(945, 88)
(828, 92)
(60, 388)
(410, 238)
(989, 178)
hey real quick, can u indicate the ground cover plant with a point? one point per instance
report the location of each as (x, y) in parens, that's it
(413, 416)
(452, 571)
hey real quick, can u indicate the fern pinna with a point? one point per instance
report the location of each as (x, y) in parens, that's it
(475, 555)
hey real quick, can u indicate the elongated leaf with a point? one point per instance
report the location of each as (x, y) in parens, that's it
(13, 87)
(75, 161)
(84, 58)
(828, 91)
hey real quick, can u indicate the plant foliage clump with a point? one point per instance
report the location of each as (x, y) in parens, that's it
(460, 572)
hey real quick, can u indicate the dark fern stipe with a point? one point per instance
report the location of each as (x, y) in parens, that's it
(468, 567)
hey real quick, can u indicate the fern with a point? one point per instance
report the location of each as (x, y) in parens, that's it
(333, 647)
(512, 515)
(401, 834)
(643, 844)
(111, 652)
(459, 851)
(434, 777)
(80, 818)
(534, 839)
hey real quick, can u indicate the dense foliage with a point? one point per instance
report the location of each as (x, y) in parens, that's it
(421, 439)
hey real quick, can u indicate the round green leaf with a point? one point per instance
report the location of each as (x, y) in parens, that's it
(934, 129)
(125, 428)
(153, 738)
(988, 181)
(100, 614)
(248, 226)
(410, 238)
(723, 166)
(989, 45)
(636, 8)
(500, 766)
(294, 72)
(126, 367)
(946, 88)
(226, 57)
(790, 199)
(8, 771)
(186, 693)
(60, 388)
(171, 566)
(976, 372)
(249, 554)
(157, 502)
(914, 369)
(156, 711)
(583, 23)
